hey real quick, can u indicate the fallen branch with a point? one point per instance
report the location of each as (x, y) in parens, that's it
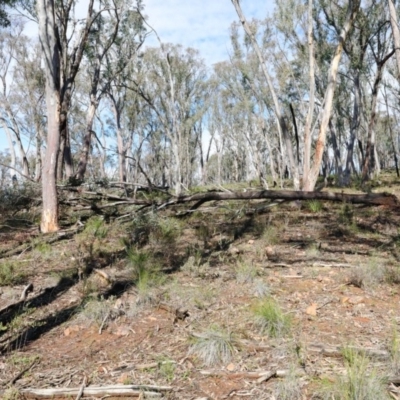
(21, 373)
(27, 289)
(80, 393)
(96, 391)
(386, 199)
(260, 377)
(337, 351)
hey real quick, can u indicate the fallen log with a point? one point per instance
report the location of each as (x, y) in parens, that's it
(378, 199)
(148, 391)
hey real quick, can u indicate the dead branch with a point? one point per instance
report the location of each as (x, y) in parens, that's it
(21, 373)
(337, 351)
(27, 289)
(96, 391)
(385, 199)
(260, 377)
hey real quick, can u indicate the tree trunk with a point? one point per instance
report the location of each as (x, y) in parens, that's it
(308, 124)
(311, 179)
(369, 160)
(353, 128)
(47, 35)
(396, 34)
(83, 160)
(10, 143)
(279, 116)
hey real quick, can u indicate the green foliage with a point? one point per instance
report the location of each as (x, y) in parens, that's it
(145, 272)
(9, 275)
(392, 274)
(270, 235)
(15, 199)
(214, 346)
(361, 382)
(11, 393)
(314, 206)
(43, 248)
(166, 368)
(394, 349)
(289, 388)
(346, 214)
(95, 227)
(271, 319)
(167, 231)
(96, 311)
(367, 275)
(245, 272)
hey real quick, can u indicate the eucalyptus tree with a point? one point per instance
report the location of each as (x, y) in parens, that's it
(114, 39)
(174, 84)
(63, 38)
(348, 14)
(282, 124)
(238, 114)
(4, 17)
(29, 81)
(11, 41)
(381, 51)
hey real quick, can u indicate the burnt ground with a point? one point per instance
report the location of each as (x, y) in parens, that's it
(133, 302)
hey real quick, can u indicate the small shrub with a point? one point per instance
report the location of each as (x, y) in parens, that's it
(394, 350)
(11, 394)
(367, 275)
(214, 346)
(245, 272)
(270, 235)
(361, 382)
(289, 388)
(166, 368)
(346, 214)
(95, 226)
(261, 289)
(314, 206)
(271, 319)
(392, 274)
(9, 276)
(145, 273)
(167, 231)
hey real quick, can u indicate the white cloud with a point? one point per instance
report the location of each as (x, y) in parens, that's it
(201, 24)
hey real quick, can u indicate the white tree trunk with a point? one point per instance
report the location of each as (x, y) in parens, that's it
(47, 35)
(396, 33)
(310, 180)
(280, 118)
(308, 124)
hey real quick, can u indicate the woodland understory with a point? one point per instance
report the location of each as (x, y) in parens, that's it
(263, 298)
(175, 230)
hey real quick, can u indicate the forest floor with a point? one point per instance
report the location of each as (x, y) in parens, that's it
(299, 300)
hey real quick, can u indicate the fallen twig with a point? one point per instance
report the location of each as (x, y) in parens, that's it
(21, 373)
(79, 395)
(27, 289)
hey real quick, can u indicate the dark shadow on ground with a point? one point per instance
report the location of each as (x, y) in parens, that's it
(44, 298)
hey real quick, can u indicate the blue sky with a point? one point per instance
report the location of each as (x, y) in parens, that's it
(201, 24)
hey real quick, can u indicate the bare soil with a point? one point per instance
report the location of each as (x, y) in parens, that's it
(333, 268)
